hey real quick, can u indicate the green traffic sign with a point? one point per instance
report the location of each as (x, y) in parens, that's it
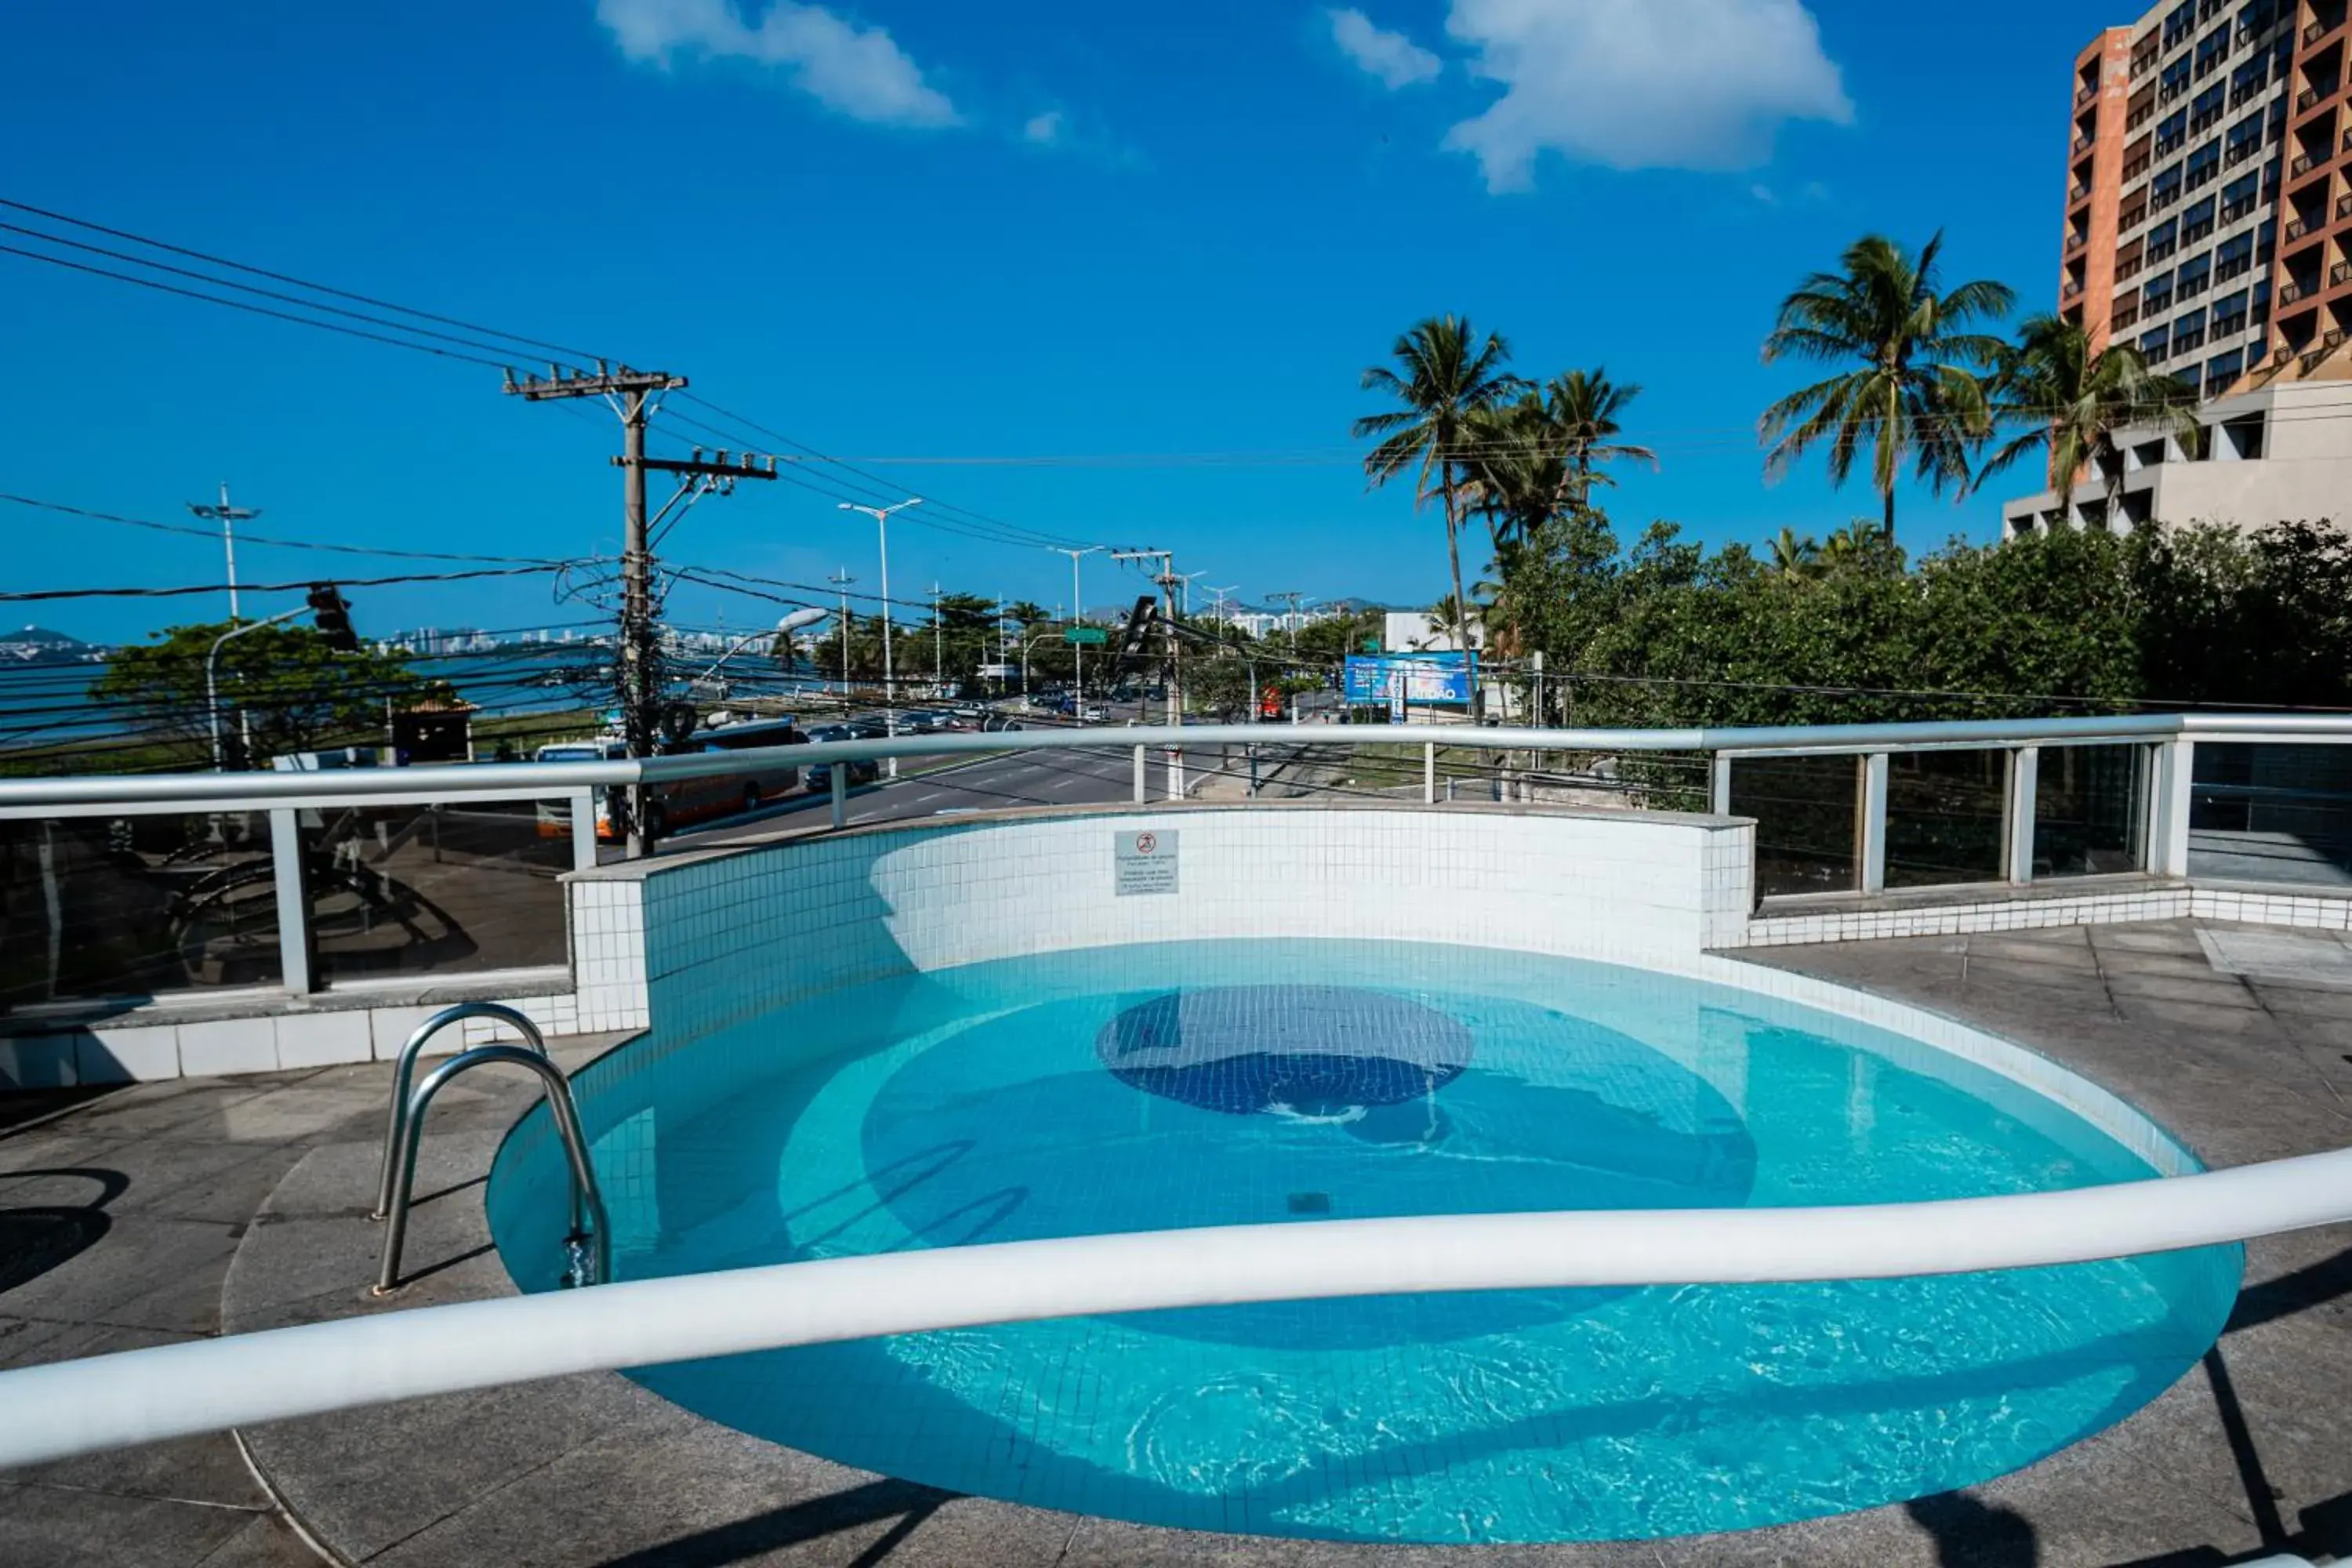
(1090, 636)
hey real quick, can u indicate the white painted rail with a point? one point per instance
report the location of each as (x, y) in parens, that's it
(72, 1407)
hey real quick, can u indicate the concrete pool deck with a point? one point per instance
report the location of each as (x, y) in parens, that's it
(174, 1210)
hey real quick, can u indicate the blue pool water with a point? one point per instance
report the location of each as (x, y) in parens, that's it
(1201, 1084)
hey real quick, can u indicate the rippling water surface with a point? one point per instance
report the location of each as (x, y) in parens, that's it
(1203, 1084)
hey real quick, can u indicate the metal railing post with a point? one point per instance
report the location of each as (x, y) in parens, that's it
(1429, 773)
(583, 830)
(837, 781)
(2176, 790)
(2024, 785)
(1872, 823)
(1175, 773)
(293, 900)
(1718, 785)
(1140, 782)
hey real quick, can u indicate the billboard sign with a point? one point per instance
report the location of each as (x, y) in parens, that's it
(1394, 680)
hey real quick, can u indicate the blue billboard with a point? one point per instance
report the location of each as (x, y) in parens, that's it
(1396, 678)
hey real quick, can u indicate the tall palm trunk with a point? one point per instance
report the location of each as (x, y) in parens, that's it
(1890, 511)
(1453, 554)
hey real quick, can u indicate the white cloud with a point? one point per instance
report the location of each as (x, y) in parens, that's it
(1396, 60)
(1640, 84)
(857, 71)
(1045, 130)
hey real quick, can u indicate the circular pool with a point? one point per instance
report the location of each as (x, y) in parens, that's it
(1210, 1083)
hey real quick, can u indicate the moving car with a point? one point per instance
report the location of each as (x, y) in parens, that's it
(861, 770)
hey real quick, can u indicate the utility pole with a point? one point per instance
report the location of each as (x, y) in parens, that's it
(842, 580)
(1219, 611)
(881, 516)
(228, 517)
(1077, 617)
(634, 395)
(1169, 582)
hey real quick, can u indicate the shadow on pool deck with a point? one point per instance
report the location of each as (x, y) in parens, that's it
(240, 1203)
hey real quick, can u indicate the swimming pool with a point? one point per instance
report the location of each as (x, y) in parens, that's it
(1285, 1081)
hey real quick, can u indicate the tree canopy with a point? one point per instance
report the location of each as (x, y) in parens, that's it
(283, 686)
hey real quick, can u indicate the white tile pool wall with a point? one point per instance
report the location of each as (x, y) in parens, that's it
(695, 945)
(720, 939)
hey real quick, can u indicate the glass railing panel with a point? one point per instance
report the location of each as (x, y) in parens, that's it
(2090, 811)
(2277, 814)
(94, 908)
(436, 889)
(1807, 816)
(1945, 817)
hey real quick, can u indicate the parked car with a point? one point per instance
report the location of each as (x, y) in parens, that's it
(861, 770)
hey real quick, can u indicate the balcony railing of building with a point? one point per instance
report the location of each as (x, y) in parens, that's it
(2339, 274)
(2343, 206)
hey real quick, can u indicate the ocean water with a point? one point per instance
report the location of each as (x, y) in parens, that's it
(1285, 1082)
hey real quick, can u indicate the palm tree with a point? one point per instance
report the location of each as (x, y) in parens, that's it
(1025, 613)
(2076, 400)
(1915, 394)
(1516, 471)
(1444, 376)
(1582, 407)
(1795, 557)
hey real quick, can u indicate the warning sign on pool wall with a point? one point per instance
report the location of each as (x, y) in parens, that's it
(1145, 862)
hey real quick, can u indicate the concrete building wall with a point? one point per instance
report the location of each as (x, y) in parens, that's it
(2278, 454)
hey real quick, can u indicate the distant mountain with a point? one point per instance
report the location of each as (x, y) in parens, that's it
(38, 644)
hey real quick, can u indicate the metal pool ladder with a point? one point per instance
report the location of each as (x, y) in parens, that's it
(588, 1247)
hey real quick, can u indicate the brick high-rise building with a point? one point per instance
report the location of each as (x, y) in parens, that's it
(2207, 209)
(2208, 222)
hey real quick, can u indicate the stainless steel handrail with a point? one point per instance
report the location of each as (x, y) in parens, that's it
(405, 1069)
(588, 1247)
(169, 792)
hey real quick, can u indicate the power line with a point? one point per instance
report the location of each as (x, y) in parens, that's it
(250, 308)
(286, 278)
(208, 534)
(16, 596)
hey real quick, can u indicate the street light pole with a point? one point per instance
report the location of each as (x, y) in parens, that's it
(211, 659)
(842, 580)
(228, 517)
(939, 648)
(881, 516)
(1078, 614)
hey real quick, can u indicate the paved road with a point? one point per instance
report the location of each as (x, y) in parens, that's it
(985, 783)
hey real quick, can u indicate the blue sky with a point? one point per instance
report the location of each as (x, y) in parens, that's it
(909, 228)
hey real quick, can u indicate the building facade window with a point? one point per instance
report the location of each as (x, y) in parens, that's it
(2230, 314)
(2163, 240)
(2193, 275)
(2223, 369)
(2153, 346)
